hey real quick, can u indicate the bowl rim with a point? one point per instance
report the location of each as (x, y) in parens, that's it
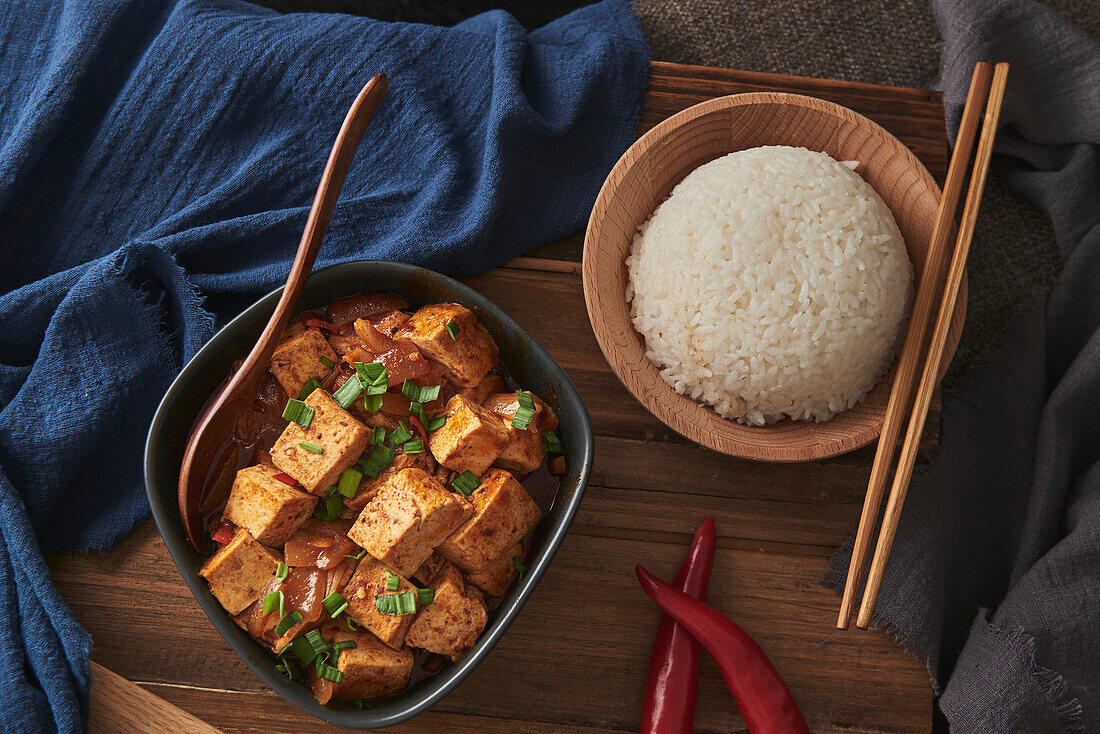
(658, 400)
(391, 710)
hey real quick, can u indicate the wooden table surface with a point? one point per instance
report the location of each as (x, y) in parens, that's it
(575, 659)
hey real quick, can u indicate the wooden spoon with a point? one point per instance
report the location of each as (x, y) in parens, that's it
(217, 424)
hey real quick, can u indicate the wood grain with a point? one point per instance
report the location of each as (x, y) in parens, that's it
(121, 707)
(574, 661)
(658, 161)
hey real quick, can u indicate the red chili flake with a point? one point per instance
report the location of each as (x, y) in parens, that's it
(319, 324)
(420, 429)
(225, 532)
(286, 479)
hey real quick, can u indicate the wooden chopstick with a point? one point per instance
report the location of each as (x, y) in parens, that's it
(914, 338)
(935, 350)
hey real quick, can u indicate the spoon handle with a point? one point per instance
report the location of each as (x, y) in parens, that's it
(328, 192)
(213, 427)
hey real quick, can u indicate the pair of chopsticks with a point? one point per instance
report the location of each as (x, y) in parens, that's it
(981, 94)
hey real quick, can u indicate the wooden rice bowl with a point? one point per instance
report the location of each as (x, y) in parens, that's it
(660, 159)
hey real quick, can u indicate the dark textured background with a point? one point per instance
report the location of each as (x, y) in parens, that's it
(891, 42)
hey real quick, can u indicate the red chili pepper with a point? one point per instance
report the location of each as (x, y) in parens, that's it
(319, 324)
(225, 532)
(286, 479)
(673, 681)
(760, 693)
(423, 434)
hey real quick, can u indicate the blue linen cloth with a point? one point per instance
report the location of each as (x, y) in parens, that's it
(157, 161)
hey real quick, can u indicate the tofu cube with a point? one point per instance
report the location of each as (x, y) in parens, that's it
(428, 569)
(239, 571)
(371, 669)
(411, 514)
(341, 438)
(297, 360)
(494, 578)
(504, 513)
(451, 624)
(470, 440)
(492, 384)
(344, 342)
(267, 508)
(369, 486)
(468, 357)
(524, 453)
(366, 584)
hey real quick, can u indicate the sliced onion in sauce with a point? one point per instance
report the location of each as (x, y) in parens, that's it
(344, 311)
(319, 544)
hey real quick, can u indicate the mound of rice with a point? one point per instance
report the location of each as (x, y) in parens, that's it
(772, 282)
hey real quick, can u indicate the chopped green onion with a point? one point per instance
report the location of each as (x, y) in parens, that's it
(311, 385)
(331, 509)
(377, 436)
(298, 412)
(465, 483)
(392, 582)
(379, 459)
(348, 392)
(351, 623)
(326, 361)
(417, 409)
(519, 566)
(371, 373)
(312, 447)
(335, 603)
(274, 601)
(418, 394)
(396, 604)
(329, 490)
(361, 704)
(316, 642)
(400, 435)
(525, 411)
(357, 556)
(375, 381)
(349, 482)
(281, 571)
(372, 403)
(288, 621)
(426, 596)
(290, 670)
(436, 423)
(329, 673)
(452, 330)
(343, 645)
(415, 446)
(303, 649)
(550, 442)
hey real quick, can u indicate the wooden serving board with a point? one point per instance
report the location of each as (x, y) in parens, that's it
(575, 659)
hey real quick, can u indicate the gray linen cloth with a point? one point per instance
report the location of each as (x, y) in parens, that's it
(995, 574)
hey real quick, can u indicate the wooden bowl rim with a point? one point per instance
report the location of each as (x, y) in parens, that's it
(730, 437)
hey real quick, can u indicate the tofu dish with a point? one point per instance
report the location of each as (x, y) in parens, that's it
(378, 497)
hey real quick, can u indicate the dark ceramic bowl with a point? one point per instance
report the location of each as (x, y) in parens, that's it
(527, 362)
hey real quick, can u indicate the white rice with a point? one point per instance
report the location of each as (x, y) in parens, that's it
(772, 282)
